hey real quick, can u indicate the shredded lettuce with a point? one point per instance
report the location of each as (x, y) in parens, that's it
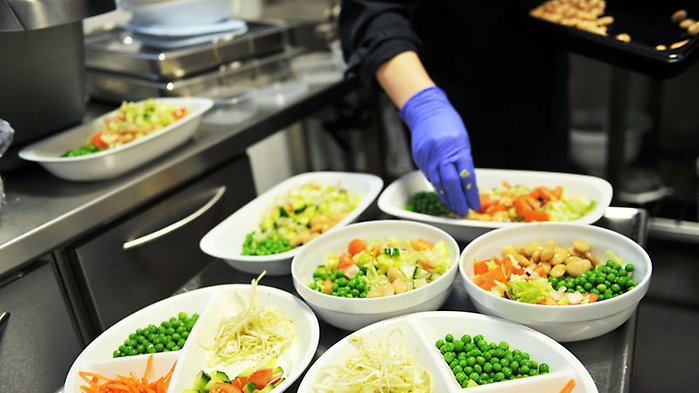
(568, 209)
(532, 291)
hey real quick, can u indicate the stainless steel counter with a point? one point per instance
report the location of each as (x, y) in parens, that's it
(44, 213)
(608, 358)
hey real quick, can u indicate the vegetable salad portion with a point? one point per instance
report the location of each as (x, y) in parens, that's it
(133, 120)
(298, 217)
(552, 275)
(382, 267)
(249, 381)
(509, 203)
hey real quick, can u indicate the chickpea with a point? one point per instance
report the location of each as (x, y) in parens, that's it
(687, 23)
(536, 256)
(605, 20)
(547, 267)
(556, 271)
(559, 255)
(679, 16)
(546, 253)
(400, 286)
(387, 290)
(578, 267)
(509, 250)
(531, 248)
(375, 292)
(595, 261)
(680, 44)
(522, 260)
(693, 29)
(623, 37)
(581, 246)
(661, 47)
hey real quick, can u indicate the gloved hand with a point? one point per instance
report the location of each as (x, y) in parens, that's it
(441, 148)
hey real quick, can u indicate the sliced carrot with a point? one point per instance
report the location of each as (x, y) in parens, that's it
(494, 208)
(345, 260)
(535, 215)
(487, 280)
(480, 267)
(179, 113)
(126, 384)
(421, 244)
(486, 201)
(328, 286)
(593, 297)
(425, 264)
(356, 246)
(568, 387)
(542, 193)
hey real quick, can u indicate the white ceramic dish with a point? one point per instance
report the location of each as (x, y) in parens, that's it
(225, 241)
(397, 194)
(562, 323)
(114, 162)
(179, 12)
(422, 330)
(97, 357)
(352, 314)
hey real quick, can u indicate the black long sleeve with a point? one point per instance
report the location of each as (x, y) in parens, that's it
(372, 32)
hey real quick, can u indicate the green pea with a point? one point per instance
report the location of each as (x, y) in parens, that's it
(601, 287)
(468, 370)
(159, 347)
(456, 369)
(460, 376)
(615, 288)
(449, 338)
(116, 354)
(497, 367)
(132, 352)
(499, 376)
(458, 345)
(180, 342)
(507, 372)
(170, 344)
(487, 367)
(543, 368)
(477, 368)
(480, 360)
(629, 267)
(524, 369)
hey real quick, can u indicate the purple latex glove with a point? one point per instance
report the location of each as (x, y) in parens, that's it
(441, 148)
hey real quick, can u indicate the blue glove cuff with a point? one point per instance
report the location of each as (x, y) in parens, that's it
(426, 102)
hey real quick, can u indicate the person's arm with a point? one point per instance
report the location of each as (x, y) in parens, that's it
(380, 45)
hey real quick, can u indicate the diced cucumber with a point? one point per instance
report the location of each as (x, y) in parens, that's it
(191, 391)
(201, 380)
(249, 387)
(220, 376)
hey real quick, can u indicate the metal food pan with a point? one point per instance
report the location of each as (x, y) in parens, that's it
(115, 50)
(235, 77)
(648, 24)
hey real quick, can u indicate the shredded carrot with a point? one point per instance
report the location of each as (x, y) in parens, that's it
(130, 384)
(569, 386)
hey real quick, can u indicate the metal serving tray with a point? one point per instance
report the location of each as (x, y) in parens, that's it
(235, 78)
(116, 50)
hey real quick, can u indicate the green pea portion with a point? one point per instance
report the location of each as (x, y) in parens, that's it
(608, 280)
(479, 362)
(171, 335)
(427, 202)
(268, 245)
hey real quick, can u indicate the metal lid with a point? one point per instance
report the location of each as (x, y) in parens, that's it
(24, 15)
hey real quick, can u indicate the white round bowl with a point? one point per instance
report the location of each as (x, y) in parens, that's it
(178, 12)
(352, 314)
(562, 323)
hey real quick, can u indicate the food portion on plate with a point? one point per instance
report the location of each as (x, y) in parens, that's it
(381, 267)
(299, 216)
(132, 121)
(554, 274)
(511, 203)
(171, 335)
(382, 367)
(477, 362)
(98, 383)
(249, 381)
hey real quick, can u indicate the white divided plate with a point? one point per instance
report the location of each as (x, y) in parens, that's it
(208, 302)
(422, 330)
(397, 194)
(114, 162)
(225, 241)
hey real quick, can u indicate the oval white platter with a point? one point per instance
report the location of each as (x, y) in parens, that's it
(422, 330)
(213, 304)
(393, 199)
(225, 241)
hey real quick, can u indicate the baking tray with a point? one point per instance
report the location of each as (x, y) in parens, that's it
(235, 77)
(116, 50)
(646, 21)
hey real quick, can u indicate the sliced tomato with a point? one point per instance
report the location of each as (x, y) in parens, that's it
(356, 246)
(535, 215)
(558, 192)
(494, 208)
(261, 377)
(96, 139)
(542, 193)
(421, 244)
(222, 387)
(345, 260)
